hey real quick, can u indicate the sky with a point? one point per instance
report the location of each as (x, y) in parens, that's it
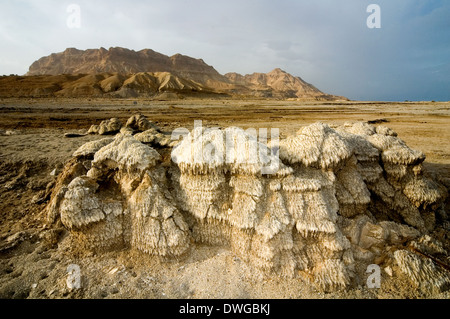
(327, 43)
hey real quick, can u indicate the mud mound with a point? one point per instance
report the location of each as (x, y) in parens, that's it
(329, 204)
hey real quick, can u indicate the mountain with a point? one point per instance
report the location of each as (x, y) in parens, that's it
(147, 72)
(278, 83)
(124, 61)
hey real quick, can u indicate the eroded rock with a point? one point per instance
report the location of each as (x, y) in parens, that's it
(107, 127)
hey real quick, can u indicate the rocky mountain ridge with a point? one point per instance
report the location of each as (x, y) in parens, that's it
(125, 73)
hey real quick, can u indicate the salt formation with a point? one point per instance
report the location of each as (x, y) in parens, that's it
(404, 194)
(330, 203)
(425, 272)
(155, 138)
(140, 123)
(228, 199)
(92, 147)
(107, 127)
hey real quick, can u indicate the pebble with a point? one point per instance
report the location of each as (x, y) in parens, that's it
(113, 271)
(37, 199)
(388, 270)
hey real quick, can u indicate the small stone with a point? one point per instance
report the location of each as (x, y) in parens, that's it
(113, 271)
(372, 235)
(37, 199)
(388, 270)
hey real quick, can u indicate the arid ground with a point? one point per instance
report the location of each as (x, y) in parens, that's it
(34, 258)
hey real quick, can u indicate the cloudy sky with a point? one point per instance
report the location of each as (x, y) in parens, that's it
(325, 42)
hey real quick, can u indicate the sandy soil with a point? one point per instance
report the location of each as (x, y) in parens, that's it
(34, 258)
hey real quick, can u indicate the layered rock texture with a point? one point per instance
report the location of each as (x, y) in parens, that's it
(323, 204)
(120, 72)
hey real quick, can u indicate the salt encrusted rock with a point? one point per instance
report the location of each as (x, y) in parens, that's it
(335, 201)
(126, 131)
(157, 226)
(230, 150)
(73, 169)
(316, 145)
(93, 129)
(155, 138)
(90, 148)
(127, 153)
(148, 136)
(140, 123)
(423, 192)
(267, 213)
(422, 271)
(405, 188)
(107, 127)
(397, 233)
(201, 152)
(122, 201)
(81, 207)
(351, 191)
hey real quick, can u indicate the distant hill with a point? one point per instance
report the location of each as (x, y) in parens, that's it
(279, 83)
(124, 72)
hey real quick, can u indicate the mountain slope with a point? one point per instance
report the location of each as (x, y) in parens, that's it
(144, 84)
